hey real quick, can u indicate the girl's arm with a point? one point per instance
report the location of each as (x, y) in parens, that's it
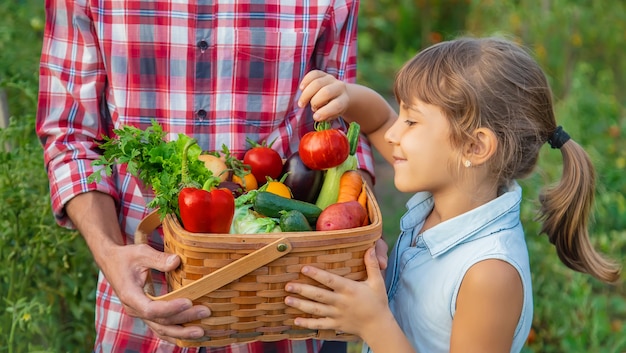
(359, 308)
(331, 98)
(488, 308)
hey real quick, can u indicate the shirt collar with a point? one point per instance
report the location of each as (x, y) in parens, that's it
(496, 215)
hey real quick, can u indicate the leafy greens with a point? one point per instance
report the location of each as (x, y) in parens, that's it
(154, 161)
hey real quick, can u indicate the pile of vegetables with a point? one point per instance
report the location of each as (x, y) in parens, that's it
(316, 188)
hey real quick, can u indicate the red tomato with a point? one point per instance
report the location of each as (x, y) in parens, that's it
(264, 162)
(324, 149)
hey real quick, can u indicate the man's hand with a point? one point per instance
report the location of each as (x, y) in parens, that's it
(126, 267)
(127, 277)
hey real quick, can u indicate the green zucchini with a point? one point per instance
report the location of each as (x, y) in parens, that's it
(294, 221)
(270, 205)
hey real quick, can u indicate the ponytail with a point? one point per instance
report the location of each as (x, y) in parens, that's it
(565, 212)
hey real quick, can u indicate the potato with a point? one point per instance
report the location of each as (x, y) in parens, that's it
(342, 215)
(215, 165)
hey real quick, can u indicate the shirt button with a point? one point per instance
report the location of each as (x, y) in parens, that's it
(201, 114)
(203, 45)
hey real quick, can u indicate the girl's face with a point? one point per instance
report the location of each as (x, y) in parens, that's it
(422, 152)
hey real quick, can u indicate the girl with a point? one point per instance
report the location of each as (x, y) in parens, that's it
(473, 115)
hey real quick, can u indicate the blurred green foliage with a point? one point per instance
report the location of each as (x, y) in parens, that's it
(580, 45)
(47, 276)
(47, 283)
(392, 31)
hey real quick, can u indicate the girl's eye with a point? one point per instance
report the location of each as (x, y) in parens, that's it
(410, 122)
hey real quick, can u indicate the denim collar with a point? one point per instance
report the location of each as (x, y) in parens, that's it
(494, 216)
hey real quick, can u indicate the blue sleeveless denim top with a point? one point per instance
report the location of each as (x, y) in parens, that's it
(423, 279)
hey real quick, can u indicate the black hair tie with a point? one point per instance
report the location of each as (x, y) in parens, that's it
(558, 138)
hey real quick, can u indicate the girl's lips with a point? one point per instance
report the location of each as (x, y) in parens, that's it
(398, 159)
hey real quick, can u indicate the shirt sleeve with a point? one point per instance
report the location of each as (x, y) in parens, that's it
(337, 55)
(71, 87)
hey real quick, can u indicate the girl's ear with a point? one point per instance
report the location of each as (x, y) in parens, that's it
(482, 147)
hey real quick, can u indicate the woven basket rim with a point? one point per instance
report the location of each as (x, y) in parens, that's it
(246, 241)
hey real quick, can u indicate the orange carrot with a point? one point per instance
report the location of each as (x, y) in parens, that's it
(362, 199)
(350, 186)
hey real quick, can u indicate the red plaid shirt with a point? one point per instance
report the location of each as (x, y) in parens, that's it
(219, 71)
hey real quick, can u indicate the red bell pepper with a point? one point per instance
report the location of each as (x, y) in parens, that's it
(206, 209)
(203, 211)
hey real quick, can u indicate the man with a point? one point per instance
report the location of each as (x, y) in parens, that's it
(219, 71)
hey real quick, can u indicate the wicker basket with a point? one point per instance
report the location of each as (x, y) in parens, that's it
(242, 277)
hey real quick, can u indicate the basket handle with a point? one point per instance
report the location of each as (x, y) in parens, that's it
(146, 226)
(224, 275)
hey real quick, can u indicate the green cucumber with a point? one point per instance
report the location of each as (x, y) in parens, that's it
(270, 205)
(294, 221)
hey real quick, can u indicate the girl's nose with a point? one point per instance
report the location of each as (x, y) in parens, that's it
(391, 135)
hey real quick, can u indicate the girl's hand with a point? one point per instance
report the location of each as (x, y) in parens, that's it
(381, 249)
(350, 306)
(327, 95)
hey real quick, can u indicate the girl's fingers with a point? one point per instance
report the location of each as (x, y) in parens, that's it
(321, 300)
(317, 294)
(320, 91)
(315, 324)
(342, 304)
(311, 76)
(310, 307)
(372, 266)
(326, 95)
(310, 84)
(331, 110)
(326, 278)
(381, 253)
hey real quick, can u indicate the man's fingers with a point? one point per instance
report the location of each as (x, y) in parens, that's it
(172, 332)
(157, 260)
(165, 318)
(177, 311)
(167, 312)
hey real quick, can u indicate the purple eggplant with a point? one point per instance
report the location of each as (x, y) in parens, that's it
(305, 183)
(234, 188)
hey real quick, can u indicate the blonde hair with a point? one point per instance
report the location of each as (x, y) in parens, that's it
(493, 83)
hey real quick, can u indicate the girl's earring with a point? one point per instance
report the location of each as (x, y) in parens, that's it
(467, 163)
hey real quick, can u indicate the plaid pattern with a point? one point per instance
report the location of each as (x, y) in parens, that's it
(219, 71)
